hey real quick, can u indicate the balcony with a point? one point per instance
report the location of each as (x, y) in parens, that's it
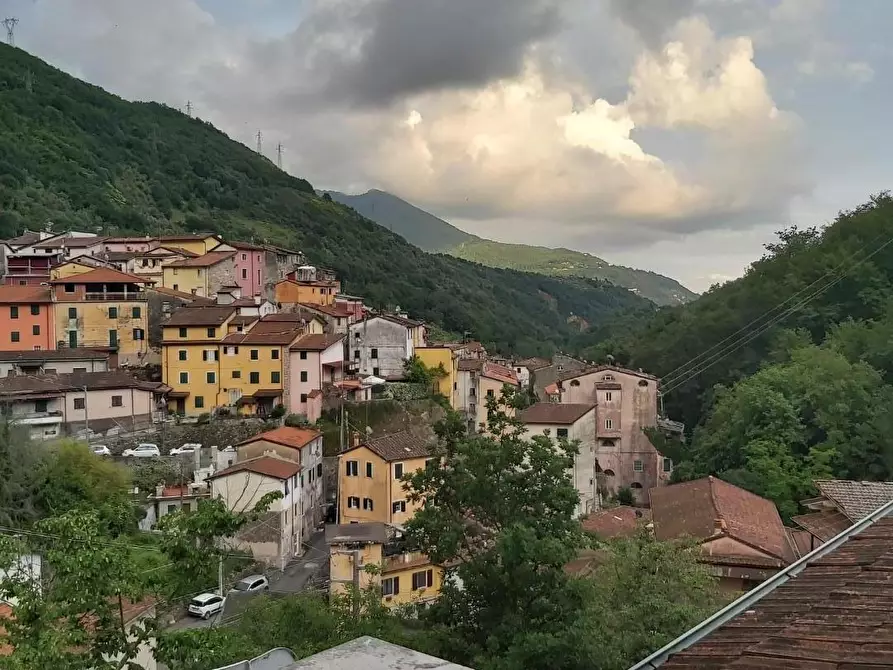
(37, 418)
(116, 297)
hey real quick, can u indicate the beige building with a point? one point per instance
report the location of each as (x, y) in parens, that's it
(477, 381)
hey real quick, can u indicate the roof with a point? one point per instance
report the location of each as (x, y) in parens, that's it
(118, 256)
(203, 261)
(573, 374)
(370, 653)
(294, 317)
(72, 242)
(824, 525)
(533, 363)
(855, 499)
(374, 531)
(244, 319)
(551, 389)
(26, 238)
(201, 315)
(316, 342)
(402, 320)
(616, 522)
(45, 355)
(693, 508)
(267, 332)
(398, 446)
(103, 276)
(828, 611)
(163, 290)
(553, 412)
(337, 311)
(60, 383)
(286, 436)
(184, 237)
(246, 246)
(470, 365)
(11, 294)
(500, 373)
(277, 468)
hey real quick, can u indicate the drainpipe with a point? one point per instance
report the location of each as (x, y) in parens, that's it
(86, 416)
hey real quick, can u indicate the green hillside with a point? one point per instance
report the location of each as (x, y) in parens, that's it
(430, 233)
(75, 155)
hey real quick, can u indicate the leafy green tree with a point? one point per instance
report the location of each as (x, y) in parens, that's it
(502, 506)
(21, 463)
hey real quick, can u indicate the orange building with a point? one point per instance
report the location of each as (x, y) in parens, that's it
(27, 318)
(314, 292)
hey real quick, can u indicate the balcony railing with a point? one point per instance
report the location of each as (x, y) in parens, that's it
(115, 297)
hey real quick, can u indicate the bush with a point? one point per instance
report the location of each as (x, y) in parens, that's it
(278, 412)
(625, 496)
(296, 421)
(223, 412)
(204, 418)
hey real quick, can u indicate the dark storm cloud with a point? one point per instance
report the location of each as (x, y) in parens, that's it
(651, 19)
(413, 46)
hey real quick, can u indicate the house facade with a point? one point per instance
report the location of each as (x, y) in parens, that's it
(445, 356)
(53, 361)
(203, 275)
(250, 268)
(27, 318)
(479, 380)
(315, 362)
(380, 345)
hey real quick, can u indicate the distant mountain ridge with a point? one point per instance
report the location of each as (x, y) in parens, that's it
(433, 234)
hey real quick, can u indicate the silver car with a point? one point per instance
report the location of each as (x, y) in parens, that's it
(250, 584)
(144, 450)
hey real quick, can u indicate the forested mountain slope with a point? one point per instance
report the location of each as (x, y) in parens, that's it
(75, 155)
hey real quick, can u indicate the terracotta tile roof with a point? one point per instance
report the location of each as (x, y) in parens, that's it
(71, 242)
(500, 373)
(193, 299)
(24, 239)
(248, 302)
(286, 436)
(94, 381)
(337, 311)
(824, 525)
(474, 346)
(317, 342)
(267, 332)
(551, 389)
(11, 294)
(573, 374)
(246, 246)
(203, 261)
(179, 251)
(47, 355)
(294, 317)
(553, 412)
(470, 365)
(398, 446)
(315, 393)
(402, 320)
(693, 508)
(277, 468)
(204, 315)
(855, 499)
(186, 237)
(103, 276)
(533, 363)
(374, 532)
(616, 522)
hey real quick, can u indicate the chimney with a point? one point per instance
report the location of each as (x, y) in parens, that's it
(355, 439)
(719, 525)
(159, 489)
(257, 300)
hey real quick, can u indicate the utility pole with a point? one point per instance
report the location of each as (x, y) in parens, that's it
(86, 417)
(10, 23)
(355, 555)
(279, 148)
(260, 145)
(220, 575)
(189, 108)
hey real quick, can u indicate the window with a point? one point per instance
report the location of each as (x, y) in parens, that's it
(390, 586)
(367, 504)
(398, 470)
(275, 377)
(211, 377)
(562, 433)
(376, 372)
(373, 354)
(490, 393)
(181, 355)
(369, 469)
(199, 402)
(139, 334)
(76, 370)
(14, 335)
(303, 375)
(113, 338)
(35, 330)
(352, 468)
(422, 580)
(184, 377)
(638, 466)
(237, 374)
(254, 377)
(176, 286)
(608, 378)
(69, 288)
(183, 332)
(609, 424)
(575, 382)
(643, 383)
(244, 273)
(117, 401)
(668, 465)
(72, 312)
(136, 312)
(35, 310)
(398, 506)
(212, 332)
(244, 257)
(353, 502)
(14, 312)
(303, 355)
(319, 470)
(274, 354)
(356, 354)
(79, 403)
(472, 392)
(429, 463)
(254, 354)
(303, 397)
(41, 405)
(113, 312)
(608, 396)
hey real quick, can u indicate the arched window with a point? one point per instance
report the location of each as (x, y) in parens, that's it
(635, 485)
(609, 473)
(643, 382)
(574, 382)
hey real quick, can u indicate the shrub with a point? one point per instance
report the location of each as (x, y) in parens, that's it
(278, 412)
(296, 420)
(625, 496)
(204, 418)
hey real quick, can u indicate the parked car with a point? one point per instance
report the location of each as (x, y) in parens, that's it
(144, 450)
(251, 583)
(205, 605)
(188, 448)
(100, 450)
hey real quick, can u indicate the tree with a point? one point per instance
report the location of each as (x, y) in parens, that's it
(21, 462)
(498, 510)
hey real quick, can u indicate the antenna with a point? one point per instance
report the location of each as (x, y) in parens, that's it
(10, 23)
(189, 108)
(260, 145)
(279, 149)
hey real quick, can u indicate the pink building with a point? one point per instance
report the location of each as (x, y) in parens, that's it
(315, 361)
(250, 268)
(352, 304)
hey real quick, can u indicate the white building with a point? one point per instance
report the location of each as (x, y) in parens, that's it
(380, 345)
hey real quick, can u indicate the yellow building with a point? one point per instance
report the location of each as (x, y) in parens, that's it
(70, 269)
(207, 366)
(369, 479)
(203, 275)
(292, 292)
(196, 243)
(403, 577)
(447, 356)
(102, 309)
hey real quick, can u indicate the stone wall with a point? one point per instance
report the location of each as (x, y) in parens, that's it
(219, 432)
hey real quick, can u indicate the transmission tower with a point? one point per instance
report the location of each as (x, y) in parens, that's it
(260, 144)
(279, 148)
(189, 108)
(10, 23)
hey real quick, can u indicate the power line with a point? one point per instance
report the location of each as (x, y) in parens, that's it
(10, 23)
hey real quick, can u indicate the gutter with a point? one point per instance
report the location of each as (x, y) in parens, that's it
(749, 599)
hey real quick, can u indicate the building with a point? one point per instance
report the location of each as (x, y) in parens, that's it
(526, 367)
(146, 263)
(52, 406)
(203, 275)
(380, 345)
(370, 474)
(276, 537)
(316, 362)
(741, 535)
(478, 381)
(627, 406)
(54, 361)
(162, 303)
(196, 243)
(303, 446)
(166, 500)
(445, 357)
(370, 653)
(311, 292)
(574, 423)
(838, 506)
(103, 308)
(27, 318)
(830, 610)
(620, 521)
(560, 365)
(250, 268)
(353, 304)
(27, 259)
(403, 576)
(336, 317)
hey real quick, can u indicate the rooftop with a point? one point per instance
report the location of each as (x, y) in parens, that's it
(11, 294)
(370, 653)
(616, 522)
(286, 436)
(94, 381)
(44, 355)
(78, 242)
(824, 525)
(316, 342)
(533, 363)
(277, 468)
(337, 311)
(470, 364)
(103, 276)
(203, 261)
(194, 299)
(398, 446)
(372, 532)
(573, 374)
(203, 315)
(555, 413)
(500, 373)
(267, 332)
(855, 499)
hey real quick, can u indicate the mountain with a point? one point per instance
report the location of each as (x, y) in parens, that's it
(84, 159)
(430, 233)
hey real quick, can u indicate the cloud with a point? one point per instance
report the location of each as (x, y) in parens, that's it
(651, 19)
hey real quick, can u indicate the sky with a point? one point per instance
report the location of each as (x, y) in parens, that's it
(670, 135)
